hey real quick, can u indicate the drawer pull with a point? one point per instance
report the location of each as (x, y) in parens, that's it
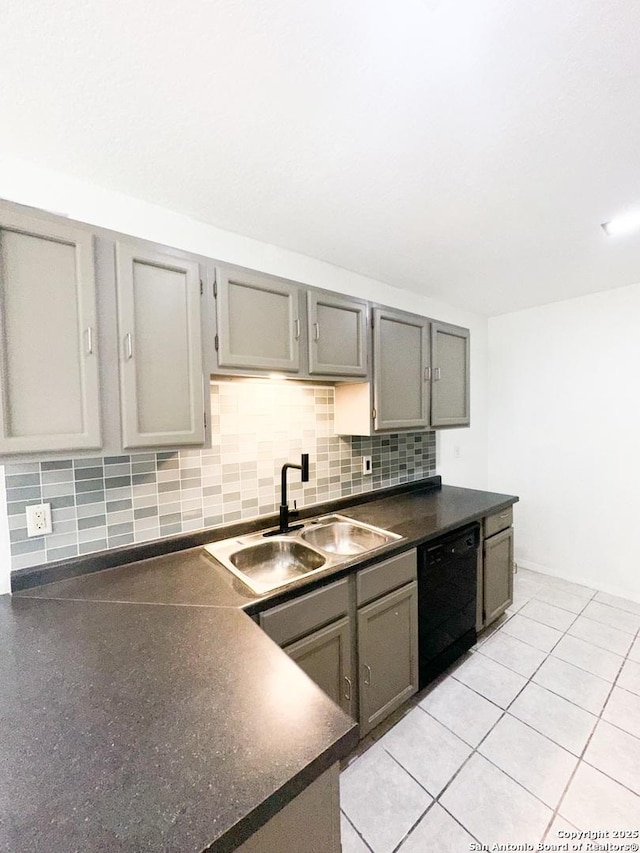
(347, 694)
(504, 515)
(367, 681)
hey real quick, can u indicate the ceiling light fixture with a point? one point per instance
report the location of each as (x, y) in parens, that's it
(622, 224)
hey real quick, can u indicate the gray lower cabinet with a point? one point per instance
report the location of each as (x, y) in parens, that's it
(495, 570)
(325, 656)
(49, 379)
(315, 630)
(387, 654)
(310, 822)
(374, 613)
(161, 379)
(498, 574)
(449, 375)
(258, 321)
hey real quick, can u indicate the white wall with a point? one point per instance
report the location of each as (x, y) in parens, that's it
(462, 453)
(564, 435)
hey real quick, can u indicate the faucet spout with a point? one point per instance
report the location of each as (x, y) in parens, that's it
(285, 512)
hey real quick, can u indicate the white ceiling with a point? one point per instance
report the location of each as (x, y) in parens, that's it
(465, 149)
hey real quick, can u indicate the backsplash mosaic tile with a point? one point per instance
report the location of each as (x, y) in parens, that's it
(107, 501)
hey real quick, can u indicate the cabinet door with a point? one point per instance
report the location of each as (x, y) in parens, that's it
(326, 658)
(161, 353)
(400, 368)
(450, 375)
(258, 321)
(387, 654)
(50, 398)
(498, 574)
(337, 329)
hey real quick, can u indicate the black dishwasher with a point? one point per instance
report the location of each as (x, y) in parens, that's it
(447, 584)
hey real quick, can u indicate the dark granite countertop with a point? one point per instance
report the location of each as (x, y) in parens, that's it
(131, 727)
(192, 577)
(146, 711)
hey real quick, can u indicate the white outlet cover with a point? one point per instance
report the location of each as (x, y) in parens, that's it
(39, 520)
(367, 467)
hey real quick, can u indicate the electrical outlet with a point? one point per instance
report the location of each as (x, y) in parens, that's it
(38, 519)
(367, 468)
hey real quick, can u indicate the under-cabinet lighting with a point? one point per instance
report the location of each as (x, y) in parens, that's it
(277, 376)
(624, 224)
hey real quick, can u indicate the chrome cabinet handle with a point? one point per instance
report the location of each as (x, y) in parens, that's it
(89, 337)
(347, 694)
(128, 346)
(427, 374)
(297, 325)
(368, 668)
(504, 515)
(436, 374)
(316, 331)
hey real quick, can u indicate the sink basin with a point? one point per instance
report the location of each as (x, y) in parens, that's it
(264, 564)
(345, 537)
(276, 562)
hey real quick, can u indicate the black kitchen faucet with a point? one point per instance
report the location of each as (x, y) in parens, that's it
(285, 512)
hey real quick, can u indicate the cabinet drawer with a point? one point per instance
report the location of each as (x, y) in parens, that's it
(296, 618)
(383, 577)
(498, 521)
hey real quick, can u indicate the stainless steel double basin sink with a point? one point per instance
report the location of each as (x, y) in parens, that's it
(265, 563)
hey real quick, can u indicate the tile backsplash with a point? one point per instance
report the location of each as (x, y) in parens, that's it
(108, 501)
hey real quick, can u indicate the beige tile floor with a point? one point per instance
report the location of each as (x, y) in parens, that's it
(534, 734)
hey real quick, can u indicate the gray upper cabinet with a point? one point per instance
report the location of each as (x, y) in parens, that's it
(337, 334)
(420, 378)
(258, 319)
(401, 370)
(450, 375)
(49, 378)
(160, 348)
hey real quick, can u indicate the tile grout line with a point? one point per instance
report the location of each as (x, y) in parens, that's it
(450, 672)
(535, 671)
(474, 749)
(601, 625)
(550, 653)
(434, 801)
(624, 658)
(586, 746)
(500, 718)
(356, 830)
